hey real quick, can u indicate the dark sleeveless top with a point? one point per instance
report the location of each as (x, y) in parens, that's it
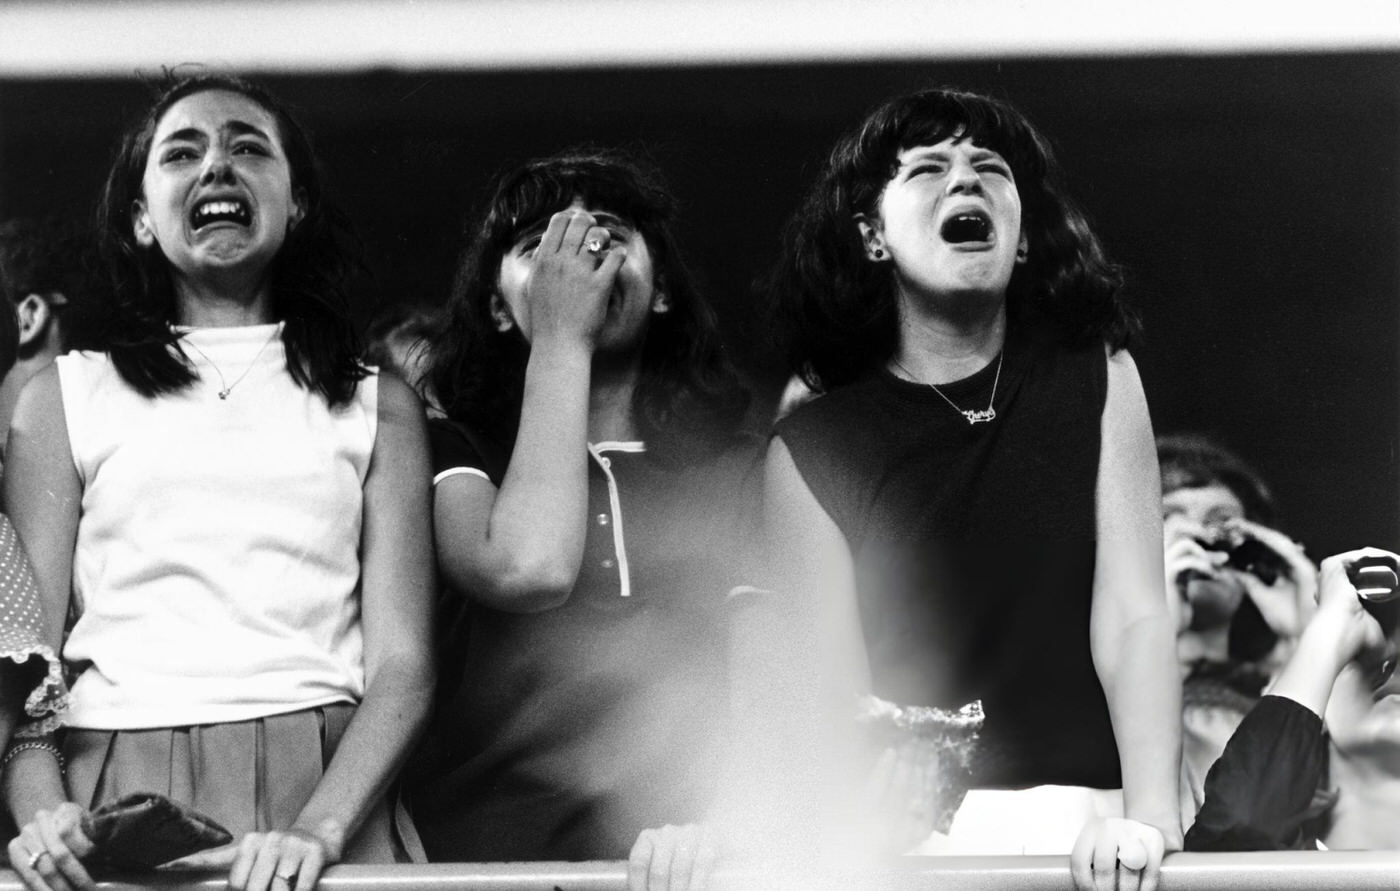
(974, 549)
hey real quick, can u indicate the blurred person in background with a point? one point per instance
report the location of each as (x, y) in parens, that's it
(31, 677)
(1241, 590)
(1316, 764)
(44, 279)
(398, 340)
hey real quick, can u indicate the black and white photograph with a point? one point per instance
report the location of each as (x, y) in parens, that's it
(660, 445)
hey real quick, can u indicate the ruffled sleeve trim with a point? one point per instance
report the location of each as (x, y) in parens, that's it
(21, 635)
(47, 703)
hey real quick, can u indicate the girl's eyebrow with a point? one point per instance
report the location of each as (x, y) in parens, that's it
(237, 128)
(188, 134)
(243, 128)
(925, 154)
(981, 154)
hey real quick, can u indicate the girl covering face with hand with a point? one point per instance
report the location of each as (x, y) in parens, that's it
(591, 516)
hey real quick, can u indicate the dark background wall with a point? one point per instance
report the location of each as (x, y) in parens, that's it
(1255, 200)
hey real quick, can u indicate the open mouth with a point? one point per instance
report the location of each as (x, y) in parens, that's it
(967, 227)
(222, 210)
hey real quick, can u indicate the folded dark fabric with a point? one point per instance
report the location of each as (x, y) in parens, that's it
(146, 829)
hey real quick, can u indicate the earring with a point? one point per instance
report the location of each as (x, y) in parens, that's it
(500, 315)
(879, 254)
(1021, 254)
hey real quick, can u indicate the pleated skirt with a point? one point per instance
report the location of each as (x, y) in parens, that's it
(250, 776)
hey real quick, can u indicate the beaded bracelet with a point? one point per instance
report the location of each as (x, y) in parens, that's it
(36, 744)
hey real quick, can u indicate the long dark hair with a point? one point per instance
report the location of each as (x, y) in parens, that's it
(689, 400)
(9, 337)
(836, 312)
(309, 275)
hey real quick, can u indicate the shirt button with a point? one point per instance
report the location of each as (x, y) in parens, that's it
(608, 563)
(603, 519)
(605, 462)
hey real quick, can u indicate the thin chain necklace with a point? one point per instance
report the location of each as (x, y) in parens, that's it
(225, 387)
(973, 416)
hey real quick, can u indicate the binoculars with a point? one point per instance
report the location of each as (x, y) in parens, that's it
(1246, 553)
(1377, 582)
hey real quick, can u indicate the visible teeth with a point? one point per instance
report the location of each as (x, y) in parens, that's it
(232, 210)
(214, 207)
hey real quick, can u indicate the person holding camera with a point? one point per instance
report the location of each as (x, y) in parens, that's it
(1287, 782)
(1245, 588)
(1241, 591)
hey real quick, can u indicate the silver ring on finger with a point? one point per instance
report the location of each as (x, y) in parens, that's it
(594, 246)
(35, 858)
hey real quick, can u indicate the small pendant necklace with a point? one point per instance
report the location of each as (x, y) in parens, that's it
(973, 415)
(225, 387)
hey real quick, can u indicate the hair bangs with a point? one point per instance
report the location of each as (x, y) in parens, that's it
(689, 400)
(1192, 461)
(834, 310)
(527, 199)
(935, 116)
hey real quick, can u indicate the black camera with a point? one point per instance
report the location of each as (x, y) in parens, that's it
(1247, 553)
(1377, 583)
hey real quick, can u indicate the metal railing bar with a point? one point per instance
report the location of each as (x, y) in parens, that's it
(1262, 871)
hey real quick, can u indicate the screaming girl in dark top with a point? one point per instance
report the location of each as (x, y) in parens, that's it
(972, 508)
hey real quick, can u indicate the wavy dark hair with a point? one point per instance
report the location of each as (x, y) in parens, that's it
(689, 401)
(835, 311)
(9, 337)
(309, 276)
(1193, 460)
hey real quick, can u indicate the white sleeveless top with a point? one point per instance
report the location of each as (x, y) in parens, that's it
(217, 566)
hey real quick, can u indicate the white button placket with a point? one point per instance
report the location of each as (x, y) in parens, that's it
(615, 504)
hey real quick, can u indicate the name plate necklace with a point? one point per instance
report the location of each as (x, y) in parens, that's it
(973, 415)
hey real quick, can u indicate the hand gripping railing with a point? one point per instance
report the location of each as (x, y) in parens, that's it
(1265, 871)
